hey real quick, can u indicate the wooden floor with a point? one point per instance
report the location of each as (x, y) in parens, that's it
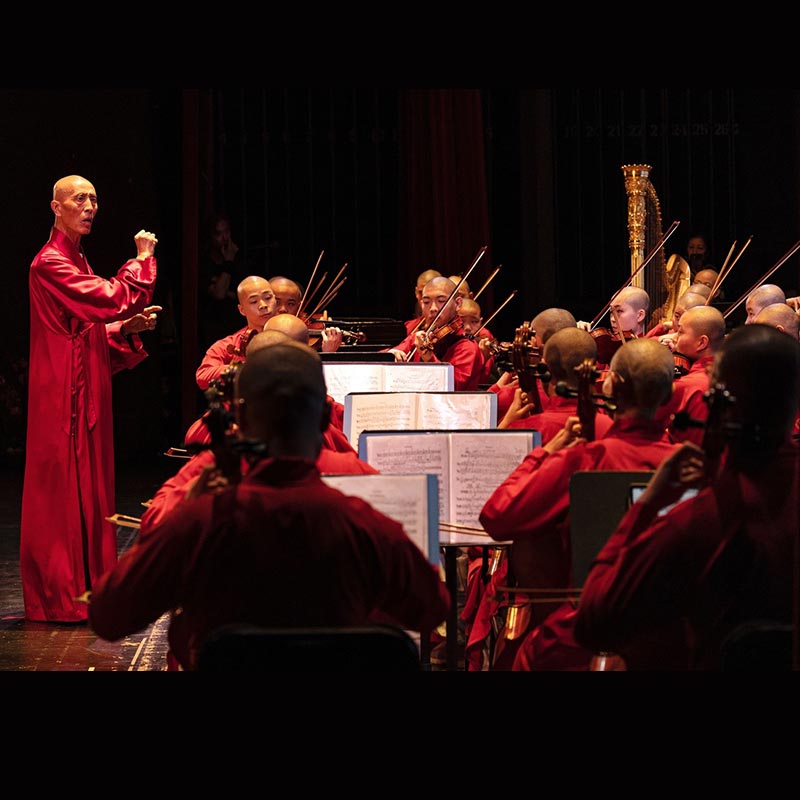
(37, 646)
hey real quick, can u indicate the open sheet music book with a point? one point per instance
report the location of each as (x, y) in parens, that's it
(407, 411)
(343, 378)
(413, 500)
(469, 465)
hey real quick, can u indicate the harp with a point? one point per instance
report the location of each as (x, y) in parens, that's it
(664, 280)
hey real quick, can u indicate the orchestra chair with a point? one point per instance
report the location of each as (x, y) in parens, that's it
(242, 647)
(760, 645)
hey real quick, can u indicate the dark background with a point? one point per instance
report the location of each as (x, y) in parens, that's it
(389, 181)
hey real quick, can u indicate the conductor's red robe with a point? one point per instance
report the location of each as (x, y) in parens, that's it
(75, 347)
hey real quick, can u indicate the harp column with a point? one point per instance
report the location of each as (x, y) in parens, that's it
(637, 180)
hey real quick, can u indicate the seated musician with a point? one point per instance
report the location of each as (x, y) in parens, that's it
(543, 325)
(470, 313)
(416, 322)
(256, 304)
(564, 352)
(531, 507)
(666, 332)
(761, 297)
(669, 585)
(288, 297)
(278, 549)
(781, 316)
(444, 341)
(701, 332)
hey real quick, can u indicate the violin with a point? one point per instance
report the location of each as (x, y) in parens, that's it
(527, 363)
(239, 349)
(608, 342)
(319, 324)
(588, 400)
(434, 336)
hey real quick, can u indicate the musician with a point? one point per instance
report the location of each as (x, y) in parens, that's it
(761, 297)
(723, 557)
(450, 344)
(531, 507)
(470, 313)
(563, 353)
(666, 332)
(701, 332)
(781, 316)
(463, 289)
(543, 325)
(708, 277)
(288, 295)
(256, 304)
(281, 548)
(422, 280)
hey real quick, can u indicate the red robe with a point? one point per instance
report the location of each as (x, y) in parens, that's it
(714, 561)
(75, 347)
(455, 349)
(281, 548)
(532, 504)
(552, 419)
(218, 357)
(688, 396)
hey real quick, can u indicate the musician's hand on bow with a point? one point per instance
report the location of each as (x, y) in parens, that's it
(331, 339)
(568, 436)
(399, 355)
(668, 339)
(584, 326)
(146, 321)
(794, 302)
(517, 410)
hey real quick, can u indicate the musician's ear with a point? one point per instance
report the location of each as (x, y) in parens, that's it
(327, 409)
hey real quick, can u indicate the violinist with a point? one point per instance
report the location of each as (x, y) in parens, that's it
(422, 280)
(256, 304)
(288, 295)
(666, 332)
(472, 320)
(701, 332)
(531, 507)
(761, 297)
(629, 309)
(564, 352)
(443, 339)
(676, 582)
(781, 316)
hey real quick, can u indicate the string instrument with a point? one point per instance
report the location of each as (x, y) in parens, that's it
(488, 322)
(435, 335)
(239, 349)
(608, 342)
(588, 399)
(526, 360)
(319, 324)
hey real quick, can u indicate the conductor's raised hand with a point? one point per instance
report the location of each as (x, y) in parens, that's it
(145, 244)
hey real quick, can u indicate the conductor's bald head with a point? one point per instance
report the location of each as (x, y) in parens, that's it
(281, 398)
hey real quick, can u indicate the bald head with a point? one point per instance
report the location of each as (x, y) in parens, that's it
(707, 277)
(425, 276)
(288, 295)
(765, 295)
(74, 205)
(256, 301)
(69, 184)
(265, 339)
(439, 293)
(691, 300)
(567, 349)
(701, 332)
(463, 290)
(699, 288)
(780, 316)
(635, 297)
(284, 394)
(547, 322)
(644, 370)
(290, 325)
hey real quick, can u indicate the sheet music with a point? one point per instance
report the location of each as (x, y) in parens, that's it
(427, 453)
(479, 463)
(404, 498)
(378, 412)
(419, 378)
(341, 379)
(458, 410)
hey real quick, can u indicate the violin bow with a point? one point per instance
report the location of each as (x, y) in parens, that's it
(792, 250)
(488, 281)
(310, 281)
(650, 256)
(502, 306)
(725, 270)
(331, 292)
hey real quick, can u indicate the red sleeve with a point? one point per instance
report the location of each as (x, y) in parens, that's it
(215, 361)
